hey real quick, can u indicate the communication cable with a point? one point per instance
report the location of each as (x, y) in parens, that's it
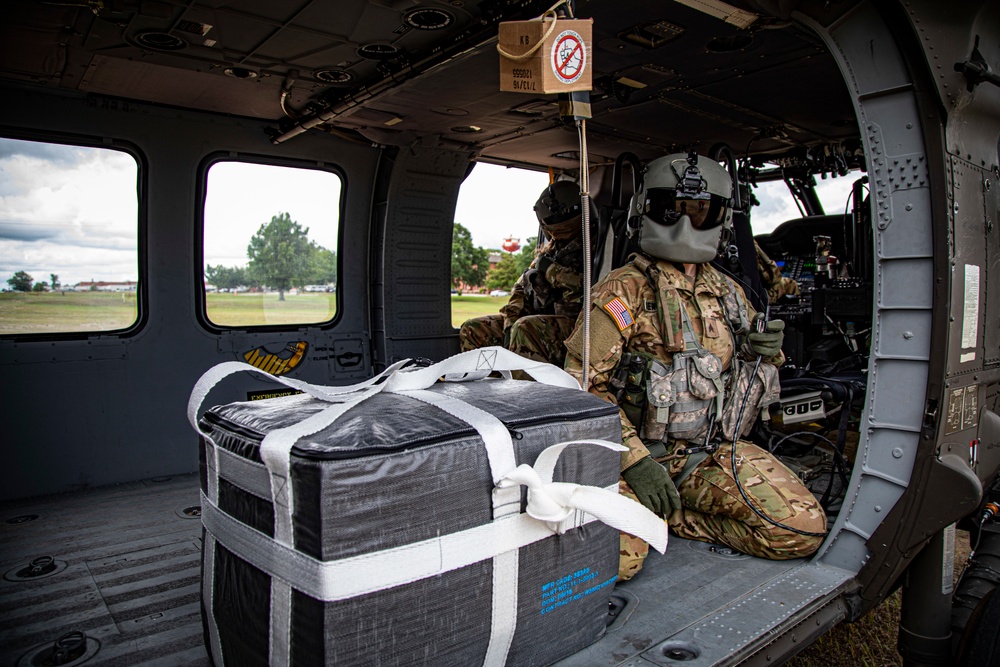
(736, 476)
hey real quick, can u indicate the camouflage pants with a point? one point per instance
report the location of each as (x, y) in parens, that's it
(714, 509)
(477, 332)
(537, 337)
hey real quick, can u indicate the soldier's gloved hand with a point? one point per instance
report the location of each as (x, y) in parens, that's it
(543, 264)
(767, 343)
(651, 484)
(571, 254)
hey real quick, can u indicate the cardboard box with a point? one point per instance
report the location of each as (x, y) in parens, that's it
(561, 64)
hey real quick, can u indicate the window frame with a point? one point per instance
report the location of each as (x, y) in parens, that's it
(141, 248)
(201, 302)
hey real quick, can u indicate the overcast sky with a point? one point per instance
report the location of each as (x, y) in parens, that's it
(72, 211)
(497, 202)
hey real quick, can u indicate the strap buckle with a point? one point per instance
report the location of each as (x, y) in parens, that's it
(708, 448)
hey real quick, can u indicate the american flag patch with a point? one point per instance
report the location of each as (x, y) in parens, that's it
(619, 313)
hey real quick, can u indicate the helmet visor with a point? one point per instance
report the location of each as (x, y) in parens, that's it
(553, 211)
(666, 206)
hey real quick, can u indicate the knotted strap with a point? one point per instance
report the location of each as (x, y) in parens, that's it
(556, 502)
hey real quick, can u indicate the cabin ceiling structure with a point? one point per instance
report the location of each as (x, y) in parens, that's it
(666, 77)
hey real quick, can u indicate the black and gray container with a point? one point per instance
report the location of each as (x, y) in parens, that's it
(383, 537)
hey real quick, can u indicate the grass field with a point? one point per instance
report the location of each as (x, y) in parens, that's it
(464, 307)
(55, 312)
(254, 309)
(871, 642)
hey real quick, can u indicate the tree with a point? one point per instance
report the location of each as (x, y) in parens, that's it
(504, 274)
(54, 279)
(468, 263)
(526, 255)
(41, 286)
(322, 265)
(21, 282)
(228, 277)
(279, 254)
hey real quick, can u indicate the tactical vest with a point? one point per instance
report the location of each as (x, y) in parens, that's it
(685, 400)
(546, 299)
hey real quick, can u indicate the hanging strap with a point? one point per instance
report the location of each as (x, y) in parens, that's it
(549, 13)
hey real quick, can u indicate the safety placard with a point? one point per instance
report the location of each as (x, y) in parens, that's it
(569, 56)
(970, 311)
(963, 409)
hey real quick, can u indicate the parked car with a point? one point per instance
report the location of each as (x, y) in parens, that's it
(499, 292)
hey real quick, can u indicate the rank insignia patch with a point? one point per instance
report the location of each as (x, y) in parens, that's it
(619, 313)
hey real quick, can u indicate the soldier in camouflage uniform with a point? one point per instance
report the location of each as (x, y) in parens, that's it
(546, 299)
(777, 284)
(673, 343)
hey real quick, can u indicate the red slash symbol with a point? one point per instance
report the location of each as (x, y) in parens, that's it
(567, 57)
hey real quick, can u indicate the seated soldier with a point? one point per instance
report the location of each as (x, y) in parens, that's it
(677, 346)
(546, 299)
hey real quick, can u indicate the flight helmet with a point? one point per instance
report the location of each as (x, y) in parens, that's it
(558, 210)
(681, 208)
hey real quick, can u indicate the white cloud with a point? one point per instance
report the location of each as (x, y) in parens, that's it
(68, 210)
(496, 202)
(241, 197)
(778, 206)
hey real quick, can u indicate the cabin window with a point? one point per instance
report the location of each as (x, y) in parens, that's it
(493, 237)
(777, 205)
(270, 244)
(69, 238)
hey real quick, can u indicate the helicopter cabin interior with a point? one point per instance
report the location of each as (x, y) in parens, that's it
(382, 108)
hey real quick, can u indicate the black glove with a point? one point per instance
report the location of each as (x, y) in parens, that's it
(767, 343)
(570, 256)
(651, 484)
(543, 264)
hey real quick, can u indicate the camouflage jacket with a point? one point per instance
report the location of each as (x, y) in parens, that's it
(627, 316)
(552, 285)
(777, 285)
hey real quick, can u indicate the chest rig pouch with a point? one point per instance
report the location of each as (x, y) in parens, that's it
(765, 389)
(685, 398)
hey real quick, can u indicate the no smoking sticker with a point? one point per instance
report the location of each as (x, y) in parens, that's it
(569, 56)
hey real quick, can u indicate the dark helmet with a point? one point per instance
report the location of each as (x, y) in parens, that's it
(558, 210)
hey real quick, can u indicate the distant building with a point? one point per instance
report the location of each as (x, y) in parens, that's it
(102, 286)
(494, 259)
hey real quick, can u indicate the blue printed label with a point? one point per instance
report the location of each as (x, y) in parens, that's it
(572, 587)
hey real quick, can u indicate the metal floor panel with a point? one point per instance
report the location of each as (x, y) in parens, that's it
(130, 578)
(131, 572)
(707, 603)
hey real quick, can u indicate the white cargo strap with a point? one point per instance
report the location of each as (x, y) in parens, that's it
(276, 447)
(350, 577)
(503, 537)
